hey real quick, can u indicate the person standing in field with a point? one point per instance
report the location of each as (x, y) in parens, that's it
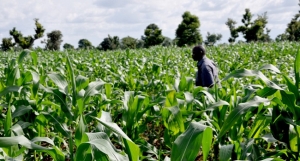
(207, 74)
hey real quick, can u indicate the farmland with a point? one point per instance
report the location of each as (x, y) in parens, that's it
(143, 105)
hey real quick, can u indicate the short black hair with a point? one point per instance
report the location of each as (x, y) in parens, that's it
(199, 49)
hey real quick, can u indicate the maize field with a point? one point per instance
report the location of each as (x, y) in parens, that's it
(142, 105)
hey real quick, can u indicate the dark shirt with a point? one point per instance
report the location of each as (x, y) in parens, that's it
(207, 74)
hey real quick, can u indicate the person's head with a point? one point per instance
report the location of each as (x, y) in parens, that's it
(198, 52)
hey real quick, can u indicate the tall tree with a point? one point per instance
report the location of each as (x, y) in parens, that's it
(27, 42)
(252, 30)
(292, 32)
(54, 40)
(110, 43)
(128, 43)
(188, 32)
(7, 44)
(68, 46)
(153, 35)
(233, 32)
(211, 39)
(85, 44)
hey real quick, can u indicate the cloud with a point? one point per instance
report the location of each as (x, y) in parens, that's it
(95, 19)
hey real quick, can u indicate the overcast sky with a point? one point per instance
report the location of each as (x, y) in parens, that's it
(95, 19)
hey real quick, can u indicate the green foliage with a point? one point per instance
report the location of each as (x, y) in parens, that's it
(128, 43)
(85, 44)
(68, 46)
(143, 105)
(7, 44)
(211, 39)
(153, 35)
(110, 43)
(252, 30)
(231, 25)
(167, 42)
(292, 32)
(27, 42)
(140, 43)
(54, 40)
(188, 32)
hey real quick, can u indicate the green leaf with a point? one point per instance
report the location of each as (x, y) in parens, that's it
(294, 138)
(72, 79)
(80, 130)
(22, 56)
(266, 91)
(269, 67)
(288, 98)
(104, 146)
(215, 105)
(237, 112)
(252, 73)
(187, 145)
(225, 152)
(10, 89)
(55, 153)
(258, 125)
(81, 82)
(8, 122)
(173, 120)
(131, 149)
(36, 83)
(34, 58)
(60, 81)
(62, 129)
(21, 110)
(206, 142)
(171, 98)
(297, 68)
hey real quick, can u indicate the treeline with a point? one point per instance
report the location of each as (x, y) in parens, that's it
(187, 34)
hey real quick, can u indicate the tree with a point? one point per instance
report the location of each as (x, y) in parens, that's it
(231, 25)
(167, 42)
(85, 44)
(7, 44)
(27, 42)
(68, 46)
(252, 31)
(292, 32)
(153, 35)
(110, 43)
(140, 43)
(54, 40)
(211, 39)
(188, 32)
(128, 43)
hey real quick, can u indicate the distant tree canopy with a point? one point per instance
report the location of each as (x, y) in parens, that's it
(54, 40)
(167, 42)
(23, 42)
(188, 32)
(252, 30)
(68, 46)
(292, 32)
(84, 44)
(211, 39)
(7, 44)
(153, 35)
(128, 43)
(110, 43)
(140, 43)
(27, 42)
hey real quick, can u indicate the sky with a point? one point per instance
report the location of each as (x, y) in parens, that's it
(95, 19)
